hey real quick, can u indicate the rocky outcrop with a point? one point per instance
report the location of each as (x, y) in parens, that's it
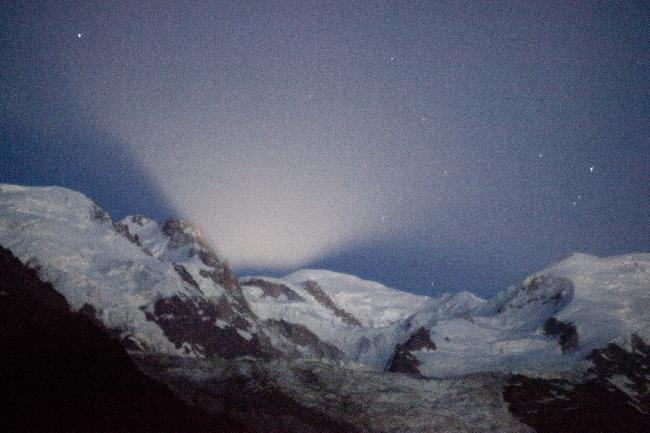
(403, 360)
(62, 372)
(182, 233)
(323, 298)
(211, 318)
(568, 335)
(275, 290)
(627, 370)
(542, 291)
(124, 231)
(99, 214)
(207, 329)
(613, 396)
(186, 276)
(308, 343)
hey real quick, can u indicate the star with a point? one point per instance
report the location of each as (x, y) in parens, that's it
(79, 35)
(591, 169)
(539, 156)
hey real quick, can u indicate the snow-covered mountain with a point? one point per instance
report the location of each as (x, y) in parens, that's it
(364, 319)
(591, 301)
(158, 285)
(581, 324)
(549, 322)
(372, 303)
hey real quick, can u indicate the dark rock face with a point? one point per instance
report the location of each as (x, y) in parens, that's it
(319, 294)
(546, 290)
(566, 331)
(613, 396)
(275, 290)
(99, 214)
(123, 229)
(225, 277)
(302, 336)
(193, 322)
(186, 276)
(634, 366)
(206, 326)
(403, 361)
(61, 372)
(180, 233)
(233, 308)
(224, 327)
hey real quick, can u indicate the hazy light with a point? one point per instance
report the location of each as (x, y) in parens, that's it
(271, 200)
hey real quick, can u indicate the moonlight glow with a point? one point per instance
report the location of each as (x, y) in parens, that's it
(462, 144)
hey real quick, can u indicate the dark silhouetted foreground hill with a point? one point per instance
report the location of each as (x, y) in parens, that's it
(61, 372)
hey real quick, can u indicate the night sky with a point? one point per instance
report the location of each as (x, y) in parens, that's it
(432, 146)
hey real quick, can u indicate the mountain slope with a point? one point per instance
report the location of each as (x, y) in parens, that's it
(159, 285)
(324, 343)
(62, 372)
(372, 303)
(364, 319)
(178, 300)
(605, 300)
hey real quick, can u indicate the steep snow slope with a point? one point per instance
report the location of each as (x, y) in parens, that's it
(146, 293)
(164, 290)
(364, 319)
(605, 299)
(159, 285)
(59, 367)
(72, 243)
(372, 346)
(372, 303)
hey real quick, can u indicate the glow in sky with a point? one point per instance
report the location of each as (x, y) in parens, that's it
(422, 144)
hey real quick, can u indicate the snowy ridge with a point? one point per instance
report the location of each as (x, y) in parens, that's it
(74, 246)
(150, 235)
(158, 284)
(374, 304)
(372, 346)
(387, 315)
(164, 289)
(606, 299)
(160, 287)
